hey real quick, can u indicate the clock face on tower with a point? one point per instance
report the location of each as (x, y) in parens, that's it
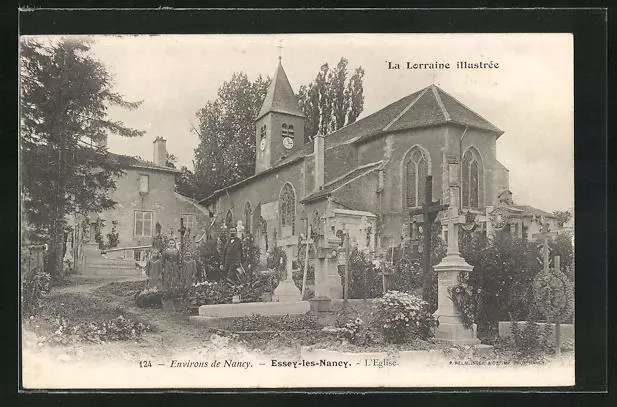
(288, 142)
(262, 144)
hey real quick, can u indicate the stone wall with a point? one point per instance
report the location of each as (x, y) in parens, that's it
(264, 190)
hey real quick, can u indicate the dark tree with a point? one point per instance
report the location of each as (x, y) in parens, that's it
(186, 183)
(65, 97)
(226, 130)
(562, 217)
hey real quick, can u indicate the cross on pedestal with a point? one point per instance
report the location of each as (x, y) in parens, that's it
(544, 234)
(430, 209)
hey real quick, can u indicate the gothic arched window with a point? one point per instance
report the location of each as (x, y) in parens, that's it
(416, 170)
(284, 130)
(247, 217)
(290, 130)
(472, 178)
(288, 208)
(229, 219)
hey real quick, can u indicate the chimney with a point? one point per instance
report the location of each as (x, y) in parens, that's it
(160, 151)
(319, 151)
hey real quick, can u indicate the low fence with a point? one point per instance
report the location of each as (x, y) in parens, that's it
(139, 254)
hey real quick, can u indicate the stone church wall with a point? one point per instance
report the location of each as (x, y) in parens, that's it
(432, 140)
(486, 145)
(264, 190)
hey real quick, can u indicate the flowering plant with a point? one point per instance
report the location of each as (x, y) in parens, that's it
(401, 314)
(149, 298)
(118, 329)
(349, 331)
(35, 286)
(465, 298)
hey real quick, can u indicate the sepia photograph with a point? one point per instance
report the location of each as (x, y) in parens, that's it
(280, 211)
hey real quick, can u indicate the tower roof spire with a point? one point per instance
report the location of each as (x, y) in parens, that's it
(280, 97)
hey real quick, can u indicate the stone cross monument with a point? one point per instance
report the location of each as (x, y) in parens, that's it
(545, 233)
(450, 327)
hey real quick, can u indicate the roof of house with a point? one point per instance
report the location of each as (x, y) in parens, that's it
(280, 96)
(134, 162)
(527, 210)
(342, 181)
(501, 166)
(430, 106)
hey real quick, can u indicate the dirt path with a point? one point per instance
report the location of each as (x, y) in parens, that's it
(171, 332)
(173, 337)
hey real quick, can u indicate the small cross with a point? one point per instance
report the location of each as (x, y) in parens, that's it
(544, 235)
(280, 47)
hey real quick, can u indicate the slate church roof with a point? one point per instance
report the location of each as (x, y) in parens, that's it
(430, 106)
(351, 176)
(280, 96)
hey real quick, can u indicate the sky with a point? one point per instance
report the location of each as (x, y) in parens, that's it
(530, 96)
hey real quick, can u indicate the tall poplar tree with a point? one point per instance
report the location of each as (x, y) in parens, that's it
(332, 100)
(65, 94)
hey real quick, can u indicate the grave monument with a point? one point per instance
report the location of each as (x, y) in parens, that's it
(450, 327)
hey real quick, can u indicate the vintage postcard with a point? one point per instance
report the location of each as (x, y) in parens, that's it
(297, 211)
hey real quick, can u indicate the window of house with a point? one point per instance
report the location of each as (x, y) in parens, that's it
(472, 174)
(288, 208)
(143, 223)
(189, 221)
(144, 184)
(416, 170)
(247, 217)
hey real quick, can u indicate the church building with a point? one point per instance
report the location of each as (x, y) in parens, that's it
(363, 178)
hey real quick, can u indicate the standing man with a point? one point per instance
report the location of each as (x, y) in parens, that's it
(232, 257)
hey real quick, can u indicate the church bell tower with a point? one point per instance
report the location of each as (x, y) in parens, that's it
(279, 126)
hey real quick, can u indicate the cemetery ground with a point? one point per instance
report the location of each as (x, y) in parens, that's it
(63, 345)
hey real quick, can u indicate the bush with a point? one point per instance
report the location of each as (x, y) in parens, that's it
(149, 298)
(407, 270)
(504, 268)
(529, 344)
(209, 260)
(252, 289)
(113, 238)
(35, 285)
(277, 260)
(364, 278)
(287, 322)
(349, 331)
(402, 315)
(118, 329)
(250, 253)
